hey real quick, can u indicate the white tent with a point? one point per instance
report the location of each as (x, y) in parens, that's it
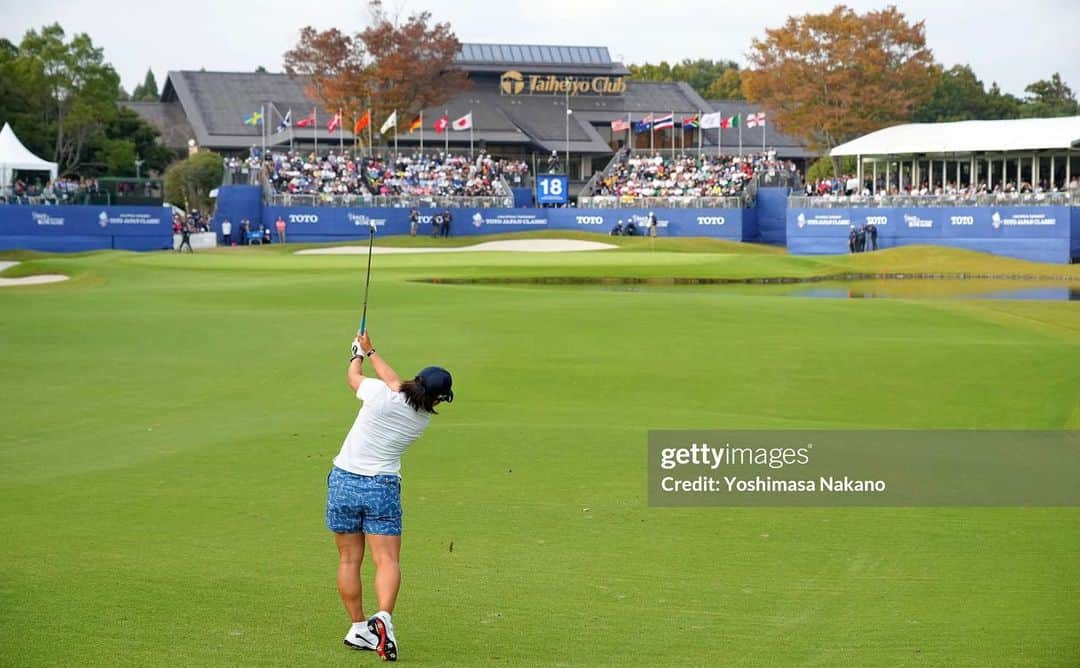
(13, 155)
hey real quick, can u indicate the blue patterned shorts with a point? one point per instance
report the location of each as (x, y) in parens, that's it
(363, 503)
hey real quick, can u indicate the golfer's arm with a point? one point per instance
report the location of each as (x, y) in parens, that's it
(387, 374)
(356, 373)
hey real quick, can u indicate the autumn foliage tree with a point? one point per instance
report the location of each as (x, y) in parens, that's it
(828, 78)
(392, 65)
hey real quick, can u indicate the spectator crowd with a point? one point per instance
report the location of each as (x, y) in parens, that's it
(56, 191)
(438, 175)
(687, 176)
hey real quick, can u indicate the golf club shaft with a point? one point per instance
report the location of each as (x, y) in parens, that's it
(367, 280)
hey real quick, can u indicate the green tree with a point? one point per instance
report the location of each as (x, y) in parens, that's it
(710, 78)
(188, 182)
(1050, 97)
(959, 95)
(82, 88)
(145, 145)
(824, 168)
(147, 91)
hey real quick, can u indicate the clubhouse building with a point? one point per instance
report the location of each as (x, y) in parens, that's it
(526, 101)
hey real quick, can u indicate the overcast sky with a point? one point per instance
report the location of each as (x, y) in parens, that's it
(1013, 43)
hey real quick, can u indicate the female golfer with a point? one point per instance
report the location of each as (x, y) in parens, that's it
(363, 500)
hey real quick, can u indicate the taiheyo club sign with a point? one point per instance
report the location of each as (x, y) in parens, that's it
(513, 82)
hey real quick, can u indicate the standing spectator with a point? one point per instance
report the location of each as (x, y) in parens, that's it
(851, 237)
(652, 224)
(860, 239)
(447, 218)
(245, 232)
(414, 222)
(280, 225)
(185, 239)
(871, 231)
(436, 224)
(226, 232)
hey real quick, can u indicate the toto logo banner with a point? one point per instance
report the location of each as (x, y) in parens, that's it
(590, 220)
(711, 220)
(302, 218)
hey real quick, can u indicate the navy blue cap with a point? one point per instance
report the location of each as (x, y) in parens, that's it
(437, 382)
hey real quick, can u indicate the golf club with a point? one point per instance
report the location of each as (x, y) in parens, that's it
(367, 281)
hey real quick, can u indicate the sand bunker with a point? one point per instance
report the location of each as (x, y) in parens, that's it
(521, 245)
(28, 280)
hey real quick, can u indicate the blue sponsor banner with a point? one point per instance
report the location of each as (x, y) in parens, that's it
(313, 224)
(78, 228)
(1034, 233)
(721, 223)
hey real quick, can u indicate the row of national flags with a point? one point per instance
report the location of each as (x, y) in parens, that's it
(648, 123)
(704, 121)
(441, 124)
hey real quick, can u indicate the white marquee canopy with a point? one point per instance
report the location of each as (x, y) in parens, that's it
(967, 137)
(13, 155)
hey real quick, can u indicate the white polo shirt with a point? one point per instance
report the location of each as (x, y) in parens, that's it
(385, 426)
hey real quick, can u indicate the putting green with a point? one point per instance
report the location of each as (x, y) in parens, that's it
(170, 422)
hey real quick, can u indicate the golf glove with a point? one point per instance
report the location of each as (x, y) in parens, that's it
(356, 352)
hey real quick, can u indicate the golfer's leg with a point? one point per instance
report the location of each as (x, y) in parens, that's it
(386, 550)
(351, 556)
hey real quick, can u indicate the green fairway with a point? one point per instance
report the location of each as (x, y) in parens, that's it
(170, 421)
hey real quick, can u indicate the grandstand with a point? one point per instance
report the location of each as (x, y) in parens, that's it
(1031, 161)
(406, 180)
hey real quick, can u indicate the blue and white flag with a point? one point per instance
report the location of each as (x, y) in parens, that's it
(286, 122)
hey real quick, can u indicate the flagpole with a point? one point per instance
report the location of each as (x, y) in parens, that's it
(262, 156)
(290, 131)
(673, 134)
(763, 136)
(740, 136)
(470, 136)
(652, 135)
(370, 130)
(395, 135)
(699, 135)
(315, 129)
(341, 131)
(421, 132)
(629, 132)
(720, 136)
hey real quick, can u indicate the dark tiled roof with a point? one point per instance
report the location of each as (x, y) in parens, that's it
(211, 106)
(168, 118)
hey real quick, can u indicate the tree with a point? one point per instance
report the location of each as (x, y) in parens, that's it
(147, 91)
(388, 66)
(827, 78)
(188, 182)
(81, 87)
(128, 127)
(959, 95)
(260, 70)
(1050, 97)
(710, 78)
(727, 87)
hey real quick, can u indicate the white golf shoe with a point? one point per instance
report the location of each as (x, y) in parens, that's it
(360, 638)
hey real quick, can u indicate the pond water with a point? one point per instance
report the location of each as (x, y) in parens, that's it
(1040, 290)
